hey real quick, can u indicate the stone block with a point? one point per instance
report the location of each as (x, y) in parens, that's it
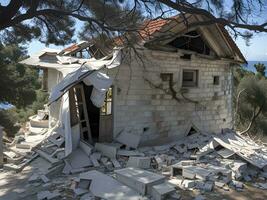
(87, 148)
(161, 191)
(106, 149)
(138, 179)
(187, 172)
(188, 184)
(115, 163)
(139, 162)
(177, 181)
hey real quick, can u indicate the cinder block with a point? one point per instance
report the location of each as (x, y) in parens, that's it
(188, 183)
(107, 150)
(139, 180)
(160, 192)
(87, 148)
(139, 162)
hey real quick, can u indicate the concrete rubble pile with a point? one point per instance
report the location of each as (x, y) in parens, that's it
(37, 140)
(125, 170)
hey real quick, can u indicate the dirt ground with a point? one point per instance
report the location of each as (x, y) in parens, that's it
(248, 193)
(16, 187)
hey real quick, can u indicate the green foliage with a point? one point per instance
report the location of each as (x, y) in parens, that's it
(53, 21)
(8, 118)
(18, 86)
(17, 82)
(260, 68)
(21, 115)
(255, 93)
(252, 104)
(239, 73)
(26, 112)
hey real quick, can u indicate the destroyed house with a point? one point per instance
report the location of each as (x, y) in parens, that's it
(178, 79)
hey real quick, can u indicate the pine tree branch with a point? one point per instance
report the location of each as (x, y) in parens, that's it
(253, 118)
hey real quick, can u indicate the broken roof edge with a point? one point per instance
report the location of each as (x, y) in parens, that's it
(86, 69)
(156, 27)
(34, 60)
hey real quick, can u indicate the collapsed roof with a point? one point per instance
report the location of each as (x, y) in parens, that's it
(160, 32)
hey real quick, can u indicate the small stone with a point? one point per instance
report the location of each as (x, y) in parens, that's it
(237, 184)
(188, 184)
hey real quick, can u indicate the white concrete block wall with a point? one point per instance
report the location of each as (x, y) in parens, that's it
(143, 109)
(52, 79)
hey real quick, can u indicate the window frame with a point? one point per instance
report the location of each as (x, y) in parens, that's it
(104, 111)
(215, 81)
(190, 84)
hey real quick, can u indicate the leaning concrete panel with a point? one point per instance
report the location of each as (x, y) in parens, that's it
(138, 179)
(107, 187)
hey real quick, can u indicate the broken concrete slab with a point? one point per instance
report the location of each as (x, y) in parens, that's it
(84, 183)
(94, 160)
(80, 186)
(139, 162)
(219, 184)
(35, 122)
(67, 168)
(129, 153)
(188, 172)
(115, 163)
(19, 167)
(180, 148)
(23, 146)
(160, 161)
(10, 154)
(87, 148)
(44, 178)
(161, 191)
(237, 184)
(188, 184)
(138, 179)
(174, 196)
(243, 147)
(177, 168)
(106, 149)
(33, 178)
(129, 139)
(225, 153)
(239, 168)
(55, 170)
(80, 191)
(176, 181)
(238, 165)
(205, 186)
(78, 159)
(47, 156)
(108, 164)
(56, 139)
(107, 187)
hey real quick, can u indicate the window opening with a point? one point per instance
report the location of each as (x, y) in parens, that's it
(216, 80)
(106, 109)
(191, 41)
(190, 78)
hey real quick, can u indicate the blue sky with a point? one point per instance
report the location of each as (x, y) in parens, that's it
(257, 50)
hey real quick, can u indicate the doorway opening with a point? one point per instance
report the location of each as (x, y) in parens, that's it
(96, 124)
(93, 113)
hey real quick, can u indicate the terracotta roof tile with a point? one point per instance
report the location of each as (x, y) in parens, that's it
(71, 48)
